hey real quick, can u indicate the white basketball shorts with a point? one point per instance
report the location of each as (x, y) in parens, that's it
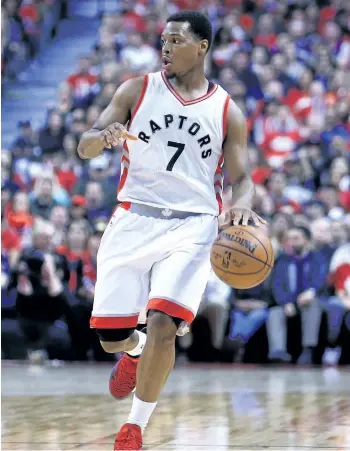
(161, 264)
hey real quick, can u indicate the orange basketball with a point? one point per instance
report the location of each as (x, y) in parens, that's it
(242, 256)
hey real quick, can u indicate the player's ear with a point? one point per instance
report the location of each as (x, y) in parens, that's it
(203, 47)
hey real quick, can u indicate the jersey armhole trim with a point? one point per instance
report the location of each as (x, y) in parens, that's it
(142, 95)
(224, 118)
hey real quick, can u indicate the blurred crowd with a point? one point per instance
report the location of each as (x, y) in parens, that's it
(286, 64)
(25, 26)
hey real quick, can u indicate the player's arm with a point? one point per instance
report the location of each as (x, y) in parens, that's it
(237, 164)
(110, 126)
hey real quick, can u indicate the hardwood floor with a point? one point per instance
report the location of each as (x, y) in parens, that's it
(202, 408)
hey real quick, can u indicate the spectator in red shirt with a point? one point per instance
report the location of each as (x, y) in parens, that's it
(266, 35)
(10, 243)
(20, 218)
(81, 83)
(75, 247)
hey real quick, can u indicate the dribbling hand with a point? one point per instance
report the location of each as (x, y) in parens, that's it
(237, 214)
(114, 134)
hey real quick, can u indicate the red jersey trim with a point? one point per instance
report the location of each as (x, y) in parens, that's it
(224, 117)
(181, 99)
(171, 309)
(218, 183)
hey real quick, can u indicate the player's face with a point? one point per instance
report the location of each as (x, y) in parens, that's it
(181, 50)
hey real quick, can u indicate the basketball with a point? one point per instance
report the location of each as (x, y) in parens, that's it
(242, 256)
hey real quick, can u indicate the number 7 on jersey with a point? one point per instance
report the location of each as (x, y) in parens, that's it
(180, 148)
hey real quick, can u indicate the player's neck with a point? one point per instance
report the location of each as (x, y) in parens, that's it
(194, 79)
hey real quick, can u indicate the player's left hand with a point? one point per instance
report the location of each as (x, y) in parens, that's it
(237, 214)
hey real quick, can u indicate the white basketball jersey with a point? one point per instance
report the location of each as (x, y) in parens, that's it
(177, 161)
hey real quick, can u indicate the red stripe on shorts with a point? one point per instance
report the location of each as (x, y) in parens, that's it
(170, 308)
(113, 322)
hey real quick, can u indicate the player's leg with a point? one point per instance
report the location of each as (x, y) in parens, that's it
(158, 357)
(121, 289)
(177, 285)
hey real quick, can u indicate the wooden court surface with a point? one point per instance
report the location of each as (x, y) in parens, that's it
(202, 408)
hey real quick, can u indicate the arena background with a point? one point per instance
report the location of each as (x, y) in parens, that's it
(285, 63)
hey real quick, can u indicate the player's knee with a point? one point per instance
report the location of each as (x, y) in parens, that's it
(114, 346)
(114, 340)
(161, 328)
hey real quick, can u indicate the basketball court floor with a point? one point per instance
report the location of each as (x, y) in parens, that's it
(202, 408)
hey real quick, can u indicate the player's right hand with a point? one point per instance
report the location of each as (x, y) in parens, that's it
(114, 134)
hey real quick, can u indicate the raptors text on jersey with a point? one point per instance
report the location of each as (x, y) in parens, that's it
(176, 162)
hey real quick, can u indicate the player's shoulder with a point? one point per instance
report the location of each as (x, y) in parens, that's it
(132, 85)
(130, 91)
(136, 85)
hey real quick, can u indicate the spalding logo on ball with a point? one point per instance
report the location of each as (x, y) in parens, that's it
(242, 256)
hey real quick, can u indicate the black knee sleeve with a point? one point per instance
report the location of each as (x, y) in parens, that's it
(114, 334)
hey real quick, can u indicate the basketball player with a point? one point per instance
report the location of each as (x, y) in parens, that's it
(155, 250)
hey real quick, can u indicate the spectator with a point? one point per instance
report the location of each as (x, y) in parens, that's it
(322, 238)
(51, 137)
(338, 305)
(298, 280)
(16, 47)
(70, 145)
(95, 202)
(19, 217)
(9, 182)
(25, 141)
(105, 49)
(81, 83)
(59, 219)
(314, 209)
(40, 303)
(223, 48)
(138, 56)
(276, 185)
(90, 268)
(42, 200)
(98, 172)
(248, 314)
(215, 307)
(281, 222)
(10, 246)
(78, 208)
(76, 243)
(339, 233)
(84, 267)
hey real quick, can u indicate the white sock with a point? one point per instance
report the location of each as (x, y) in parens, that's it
(140, 345)
(141, 412)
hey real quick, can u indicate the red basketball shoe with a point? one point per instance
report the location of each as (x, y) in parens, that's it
(123, 378)
(129, 437)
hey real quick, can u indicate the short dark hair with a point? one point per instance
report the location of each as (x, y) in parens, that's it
(199, 22)
(304, 230)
